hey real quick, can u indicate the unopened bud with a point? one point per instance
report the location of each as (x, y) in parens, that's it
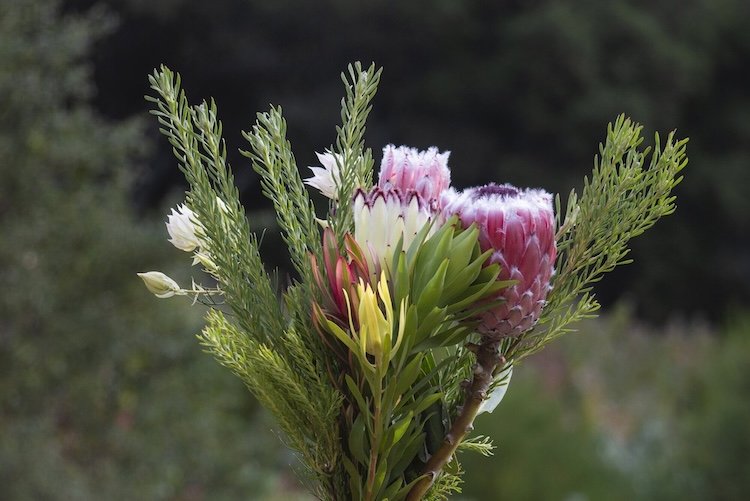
(160, 284)
(204, 259)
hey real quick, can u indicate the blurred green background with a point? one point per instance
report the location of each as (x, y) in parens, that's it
(104, 391)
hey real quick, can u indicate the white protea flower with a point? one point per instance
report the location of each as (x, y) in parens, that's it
(159, 284)
(383, 217)
(327, 177)
(181, 225)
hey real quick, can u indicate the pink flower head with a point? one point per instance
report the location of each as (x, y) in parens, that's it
(519, 225)
(406, 169)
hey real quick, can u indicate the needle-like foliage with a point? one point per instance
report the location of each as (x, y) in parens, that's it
(195, 135)
(354, 161)
(629, 190)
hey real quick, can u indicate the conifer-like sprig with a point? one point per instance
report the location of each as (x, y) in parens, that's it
(272, 158)
(308, 414)
(629, 190)
(353, 159)
(263, 348)
(195, 135)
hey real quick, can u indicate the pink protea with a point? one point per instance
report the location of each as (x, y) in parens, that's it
(406, 169)
(519, 225)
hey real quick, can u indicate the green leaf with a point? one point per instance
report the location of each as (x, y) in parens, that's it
(429, 324)
(429, 297)
(427, 401)
(408, 375)
(401, 277)
(473, 273)
(461, 251)
(380, 476)
(446, 337)
(342, 336)
(416, 246)
(430, 257)
(358, 440)
(397, 431)
(410, 330)
(355, 480)
(364, 409)
(391, 491)
(410, 451)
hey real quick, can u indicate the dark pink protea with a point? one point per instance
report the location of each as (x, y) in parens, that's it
(407, 169)
(519, 225)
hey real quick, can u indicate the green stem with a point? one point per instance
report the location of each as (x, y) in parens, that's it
(488, 358)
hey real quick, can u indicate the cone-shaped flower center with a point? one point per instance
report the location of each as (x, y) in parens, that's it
(491, 189)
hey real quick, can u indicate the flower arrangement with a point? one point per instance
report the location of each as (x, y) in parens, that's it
(413, 301)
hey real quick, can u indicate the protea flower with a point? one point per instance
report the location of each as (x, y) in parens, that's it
(383, 217)
(519, 226)
(326, 178)
(406, 169)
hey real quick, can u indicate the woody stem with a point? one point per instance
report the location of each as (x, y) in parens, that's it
(488, 358)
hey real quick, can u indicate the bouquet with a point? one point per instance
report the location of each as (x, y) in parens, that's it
(413, 302)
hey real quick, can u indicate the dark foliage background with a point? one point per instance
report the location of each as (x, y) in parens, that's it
(104, 392)
(518, 91)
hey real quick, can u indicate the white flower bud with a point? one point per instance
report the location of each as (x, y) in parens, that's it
(160, 284)
(327, 177)
(181, 227)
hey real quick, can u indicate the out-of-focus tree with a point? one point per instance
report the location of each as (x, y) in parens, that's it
(619, 412)
(94, 398)
(546, 448)
(713, 440)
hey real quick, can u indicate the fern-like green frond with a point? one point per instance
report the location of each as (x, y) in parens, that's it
(272, 158)
(195, 135)
(307, 412)
(623, 198)
(354, 160)
(447, 484)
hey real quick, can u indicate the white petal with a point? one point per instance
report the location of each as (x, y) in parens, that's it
(497, 394)
(181, 227)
